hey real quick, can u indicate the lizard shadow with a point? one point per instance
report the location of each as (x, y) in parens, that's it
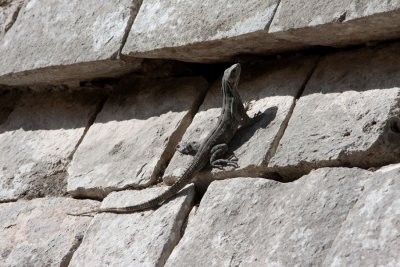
(246, 133)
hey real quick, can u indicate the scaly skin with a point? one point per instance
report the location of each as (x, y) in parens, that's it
(232, 116)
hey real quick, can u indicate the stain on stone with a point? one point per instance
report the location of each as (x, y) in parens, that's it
(52, 185)
(117, 148)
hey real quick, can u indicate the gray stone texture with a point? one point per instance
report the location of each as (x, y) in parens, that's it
(40, 233)
(139, 239)
(58, 41)
(134, 135)
(336, 22)
(348, 115)
(203, 31)
(258, 222)
(371, 234)
(38, 135)
(272, 87)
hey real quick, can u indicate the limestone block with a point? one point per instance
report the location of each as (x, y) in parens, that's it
(370, 235)
(273, 93)
(9, 10)
(59, 41)
(336, 22)
(388, 168)
(138, 239)
(134, 135)
(351, 110)
(37, 139)
(40, 233)
(203, 31)
(259, 222)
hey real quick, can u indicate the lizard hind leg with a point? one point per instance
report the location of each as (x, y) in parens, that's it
(217, 159)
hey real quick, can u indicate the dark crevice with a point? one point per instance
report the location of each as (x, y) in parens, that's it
(132, 16)
(191, 213)
(282, 130)
(91, 120)
(342, 17)
(13, 18)
(308, 78)
(8, 201)
(266, 28)
(75, 245)
(173, 243)
(211, 72)
(176, 137)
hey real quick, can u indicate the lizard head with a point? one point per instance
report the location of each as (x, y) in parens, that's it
(232, 75)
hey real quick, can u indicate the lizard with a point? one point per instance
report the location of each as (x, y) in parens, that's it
(232, 116)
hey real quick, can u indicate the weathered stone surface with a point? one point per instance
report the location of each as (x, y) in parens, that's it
(9, 10)
(257, 222)
(40, 233)
(203, 30)
(58, 41)
(138, 239)
(134, 135)
(274, 93)
(348, 115)
(37, 139)
(388, 168)
(371, 234)
(336, 22)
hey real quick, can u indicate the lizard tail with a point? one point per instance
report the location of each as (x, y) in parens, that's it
(178, 185)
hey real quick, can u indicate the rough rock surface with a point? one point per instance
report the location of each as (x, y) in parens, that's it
(203, 30)
(257, 222)
(138, 239)
(336, 22)
(273, 93)
(40, 233)
(37, 138)
(351, 109)
(370, 235)
(134, 135)
(60, 40)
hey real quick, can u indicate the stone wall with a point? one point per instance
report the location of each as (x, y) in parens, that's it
(92, 106)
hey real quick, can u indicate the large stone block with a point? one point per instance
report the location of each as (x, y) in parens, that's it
(273, 85)
(203, 31)
(134, 135)
(37, 138)
(348, 115)
(139, 239)
(370, 235)
(257, 222)
(40, 233)
(60, 41)
(336, 22)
